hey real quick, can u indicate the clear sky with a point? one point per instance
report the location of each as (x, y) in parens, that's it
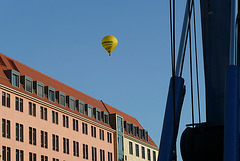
(62, 39)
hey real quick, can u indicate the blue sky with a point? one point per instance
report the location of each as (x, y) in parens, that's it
(63, 40)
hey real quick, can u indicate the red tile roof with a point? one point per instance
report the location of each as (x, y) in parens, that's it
(7, 63)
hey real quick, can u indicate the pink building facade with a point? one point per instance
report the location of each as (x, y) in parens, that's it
(48, 138)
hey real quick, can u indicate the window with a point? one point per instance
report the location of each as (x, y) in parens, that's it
(19, 104)
(109, 137)
(50, 92)
(43, 113)
(65, 145)
(148, 154)
(101, 134)
(127, 126)
(65, 121)
(98, 115)
(134, 130)
(137, 150)
(120, 157)
(109, 156)
(6, 153)
(15, 79)
(62, 100)
(80, 106)
(105, 118)
(54, 159)
(119, 124)
(44, 139)
(6, 128)
(84, 128)
(8, 100)
(93, 131)
(54, 117)
(19, 155)
(154, 156)
(28, 86)
(5, 99)
(75, 125)
(120, 142)
(89, 110)
(51, 96)
(55, 142)
(32, 156)
(85, 151)
(32, 109)
(140, 132)
(32, 136)
(130, 147)
(27, 83)
(19, 132)
(146, 135)
(39, 88)
(44, 158)
(143, 152)
(61, 97)
(102, 155)
(94, 154)
(71, 102)
(75, 148)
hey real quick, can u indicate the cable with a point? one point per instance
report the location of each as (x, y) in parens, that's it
(190, 51)
(196, 62)
(172, 33)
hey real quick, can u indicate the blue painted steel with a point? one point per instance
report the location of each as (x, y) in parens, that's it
(231, 121)
(233, 31)
(168, 137)
(184, 35)
(215, 15)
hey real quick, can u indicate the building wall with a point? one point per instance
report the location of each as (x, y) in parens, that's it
(51, 128)
(134, 157)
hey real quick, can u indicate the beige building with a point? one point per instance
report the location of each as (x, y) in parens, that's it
(136, 150)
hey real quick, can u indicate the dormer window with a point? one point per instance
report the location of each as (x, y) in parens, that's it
(127, 126)
(97, 114)
(14, 77)
(39, 88)
(134, 130)
(61, 97)
(105, 117)
(140, 132)
(15, 80)
(27, 83)
(80, 106)
(146, 135)
(89, 110)
(50, 92)
(71, 103)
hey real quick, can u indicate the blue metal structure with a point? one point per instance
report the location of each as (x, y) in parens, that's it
(218, 138)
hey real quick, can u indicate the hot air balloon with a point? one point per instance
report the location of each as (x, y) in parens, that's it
(109, 43)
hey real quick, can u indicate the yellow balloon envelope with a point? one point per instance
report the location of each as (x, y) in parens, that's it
(109, 43)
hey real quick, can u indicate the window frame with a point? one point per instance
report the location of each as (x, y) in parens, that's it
(80, 105)
(24, 81)
(38, 88)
